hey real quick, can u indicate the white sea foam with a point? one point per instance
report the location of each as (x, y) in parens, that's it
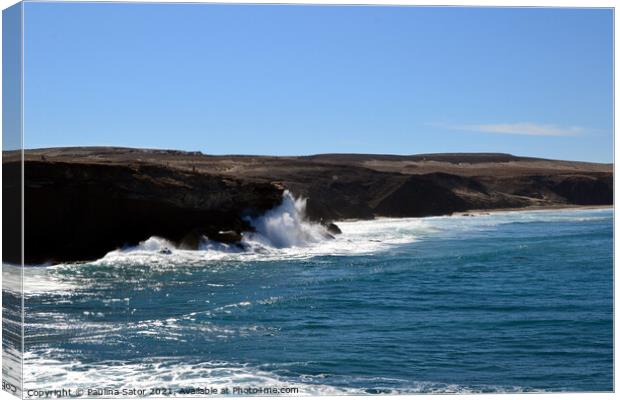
(42, 372)
(281, 234)
(284, 233)
(12, 278)
(12, 369)
(50, 368)
(286, 226)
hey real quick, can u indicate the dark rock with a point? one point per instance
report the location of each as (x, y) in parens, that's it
(586, 190)
(79, 211)
(192, 240)
(333, 228)
(420, 196)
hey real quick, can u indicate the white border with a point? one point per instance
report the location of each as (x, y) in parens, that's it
(480, 3)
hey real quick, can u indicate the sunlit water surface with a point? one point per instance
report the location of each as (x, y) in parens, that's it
(508, 302)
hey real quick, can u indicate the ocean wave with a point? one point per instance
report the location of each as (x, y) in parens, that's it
(43, 373)
(286, 226)
(285, 234)
(216, 298)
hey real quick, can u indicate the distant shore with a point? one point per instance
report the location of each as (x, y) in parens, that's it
(483, 212)
(559, 207)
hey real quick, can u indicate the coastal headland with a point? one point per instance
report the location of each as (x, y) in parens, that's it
(82, 202)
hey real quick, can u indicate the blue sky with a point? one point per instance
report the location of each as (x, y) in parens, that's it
(288, 80)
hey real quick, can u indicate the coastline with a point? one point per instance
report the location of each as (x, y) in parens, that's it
(559, 207)
(129, 195)
(481, 212)
(393, 271)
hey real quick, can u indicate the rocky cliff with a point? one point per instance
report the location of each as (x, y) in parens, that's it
(83, 202)
(76, 211)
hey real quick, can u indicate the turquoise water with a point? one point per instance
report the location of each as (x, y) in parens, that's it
(502, 302)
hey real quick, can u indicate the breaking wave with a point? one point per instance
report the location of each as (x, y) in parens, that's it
(286, 225)
(169, 373)
(284, 232)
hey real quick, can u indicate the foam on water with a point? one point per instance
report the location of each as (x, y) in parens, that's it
(43, 373)
(285, 233)
(12, 368)
(281, 233)
(49, 369)
(286, 226)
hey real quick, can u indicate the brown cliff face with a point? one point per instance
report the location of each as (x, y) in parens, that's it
(83, 202)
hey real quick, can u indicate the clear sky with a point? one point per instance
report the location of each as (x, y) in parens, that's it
(288, 80)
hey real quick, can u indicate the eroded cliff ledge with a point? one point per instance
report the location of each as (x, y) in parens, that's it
(83, 202)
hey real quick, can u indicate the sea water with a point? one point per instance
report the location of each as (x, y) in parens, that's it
(498, 302)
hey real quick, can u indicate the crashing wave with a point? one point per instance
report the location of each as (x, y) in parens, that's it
(285, 233)
(286, 225)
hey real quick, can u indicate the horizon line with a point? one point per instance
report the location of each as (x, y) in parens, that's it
(479, 153)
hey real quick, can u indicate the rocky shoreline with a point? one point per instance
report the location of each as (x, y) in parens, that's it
(84, 202)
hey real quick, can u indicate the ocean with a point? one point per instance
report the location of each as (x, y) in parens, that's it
(496, 302)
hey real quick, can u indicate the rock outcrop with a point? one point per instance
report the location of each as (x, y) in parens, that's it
(76, 211)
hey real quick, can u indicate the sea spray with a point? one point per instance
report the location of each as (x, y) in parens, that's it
(286, 225)
(285, 233)
(153, 243)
